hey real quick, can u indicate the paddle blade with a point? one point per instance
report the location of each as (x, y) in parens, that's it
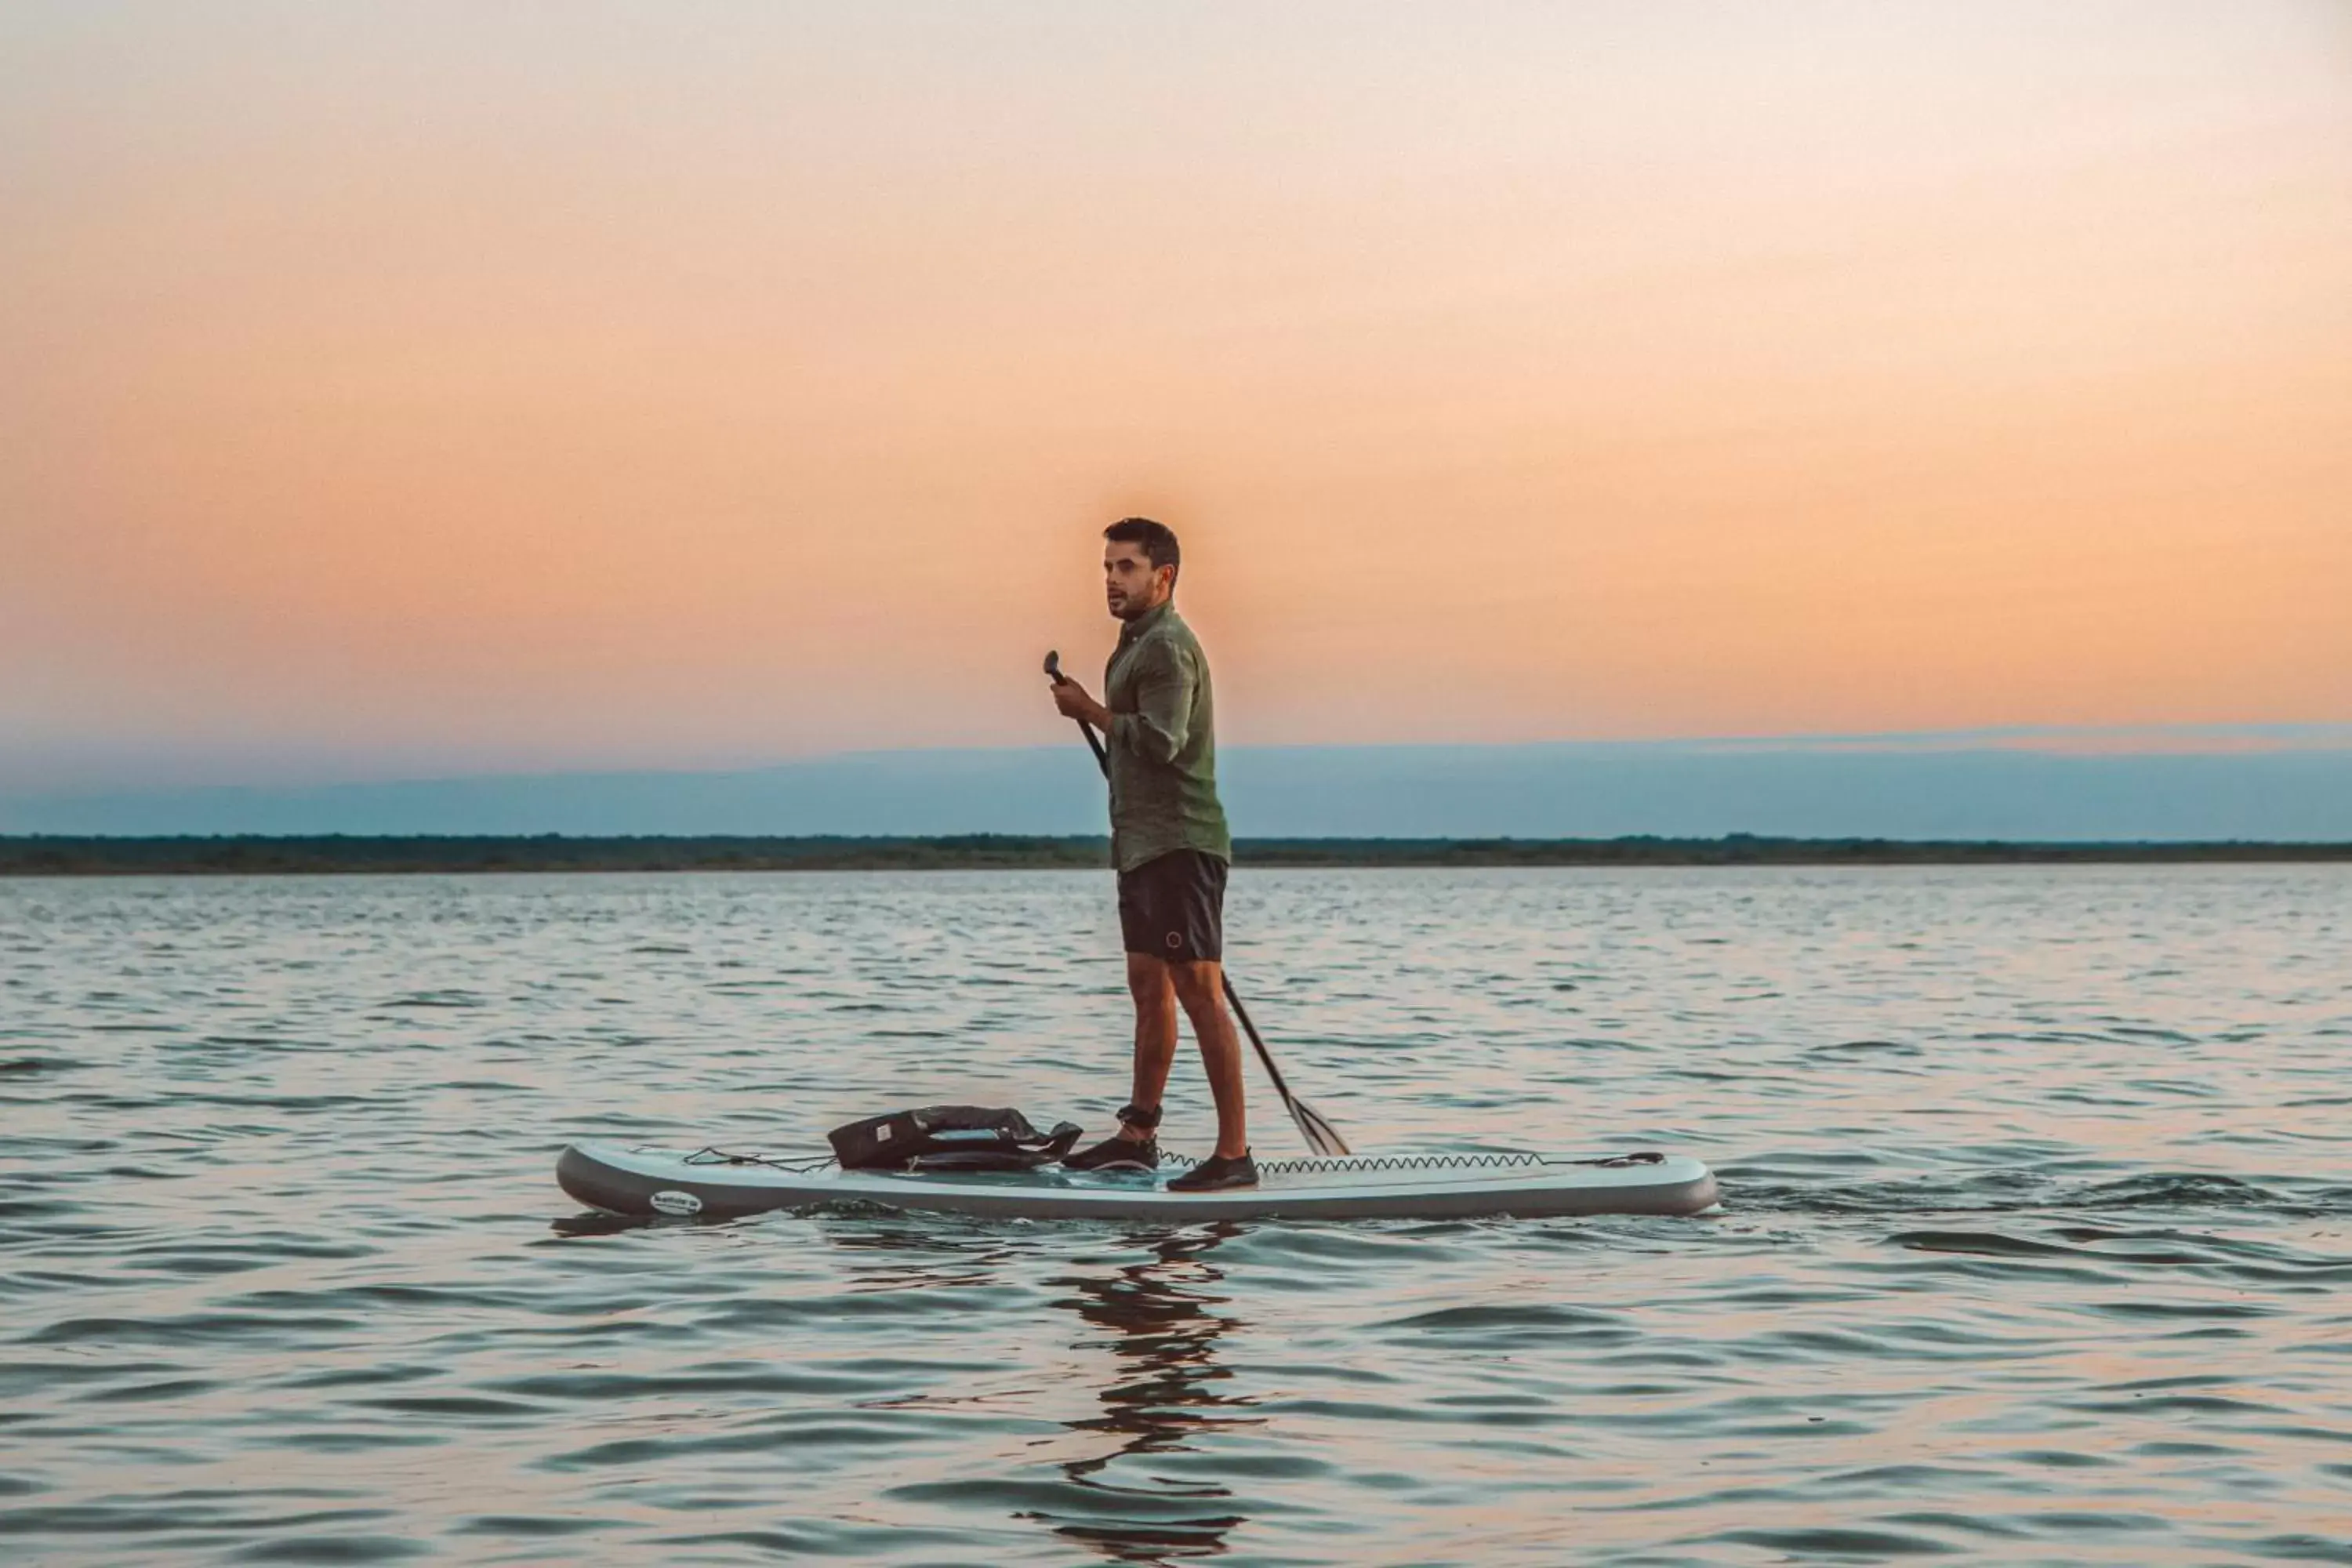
(1320, 1135)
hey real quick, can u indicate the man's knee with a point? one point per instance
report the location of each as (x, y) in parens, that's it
(1147, 977)
(1195, 983)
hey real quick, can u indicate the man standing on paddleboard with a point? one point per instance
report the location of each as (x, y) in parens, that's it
(1169, 841)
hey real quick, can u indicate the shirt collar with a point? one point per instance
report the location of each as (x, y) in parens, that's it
(1131, 630)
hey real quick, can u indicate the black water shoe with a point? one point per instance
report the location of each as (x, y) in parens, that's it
(1215, 1173)
(1116, 1154)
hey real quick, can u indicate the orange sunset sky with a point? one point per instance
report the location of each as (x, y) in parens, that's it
(408, 387)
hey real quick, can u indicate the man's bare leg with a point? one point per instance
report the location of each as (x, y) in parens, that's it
(1147, 980)
(1200, 986)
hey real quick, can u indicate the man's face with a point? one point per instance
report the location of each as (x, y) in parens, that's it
(1131, 584)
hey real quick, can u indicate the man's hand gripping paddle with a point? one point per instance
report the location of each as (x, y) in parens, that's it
(1320, 1135)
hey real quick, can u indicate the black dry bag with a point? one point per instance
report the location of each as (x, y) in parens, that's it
(949, 1138)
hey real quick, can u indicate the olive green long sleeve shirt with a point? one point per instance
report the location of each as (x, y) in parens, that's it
(1162, 743)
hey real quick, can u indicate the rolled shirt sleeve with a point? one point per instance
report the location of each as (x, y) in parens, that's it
(1162, 722)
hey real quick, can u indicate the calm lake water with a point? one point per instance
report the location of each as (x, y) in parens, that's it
(2035, 1248)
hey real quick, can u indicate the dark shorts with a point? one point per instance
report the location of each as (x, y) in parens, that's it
(1173, 906)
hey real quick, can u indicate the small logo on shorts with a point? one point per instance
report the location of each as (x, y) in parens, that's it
(1175, 939)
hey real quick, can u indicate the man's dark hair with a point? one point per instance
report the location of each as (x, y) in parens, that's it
(1158, 540)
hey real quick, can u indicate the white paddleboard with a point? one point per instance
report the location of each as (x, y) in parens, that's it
(709, 1182)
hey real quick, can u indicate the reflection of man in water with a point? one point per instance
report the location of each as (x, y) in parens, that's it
(1167, 1338)
(1153, 1311)
(1168, 836)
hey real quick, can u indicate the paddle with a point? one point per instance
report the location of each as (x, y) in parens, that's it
(1320, 1135)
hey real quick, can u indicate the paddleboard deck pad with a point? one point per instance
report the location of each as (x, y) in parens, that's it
(716, 1184)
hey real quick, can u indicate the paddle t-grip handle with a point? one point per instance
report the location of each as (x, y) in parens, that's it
(1094, 743)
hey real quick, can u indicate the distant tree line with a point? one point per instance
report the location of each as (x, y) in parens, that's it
(266, 854)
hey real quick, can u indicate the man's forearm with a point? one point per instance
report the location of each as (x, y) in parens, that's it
(1075, 701)
(1138, 734)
